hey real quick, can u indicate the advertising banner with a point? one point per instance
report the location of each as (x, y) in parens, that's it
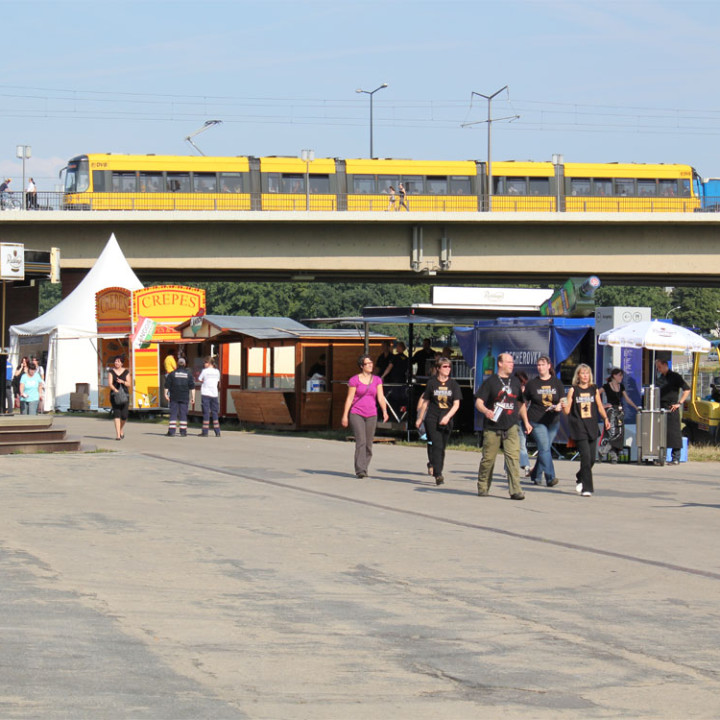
(526, 339)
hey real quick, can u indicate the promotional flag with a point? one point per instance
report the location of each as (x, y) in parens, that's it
(144, 330)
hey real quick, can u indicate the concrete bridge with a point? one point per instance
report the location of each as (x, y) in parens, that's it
(621, 248)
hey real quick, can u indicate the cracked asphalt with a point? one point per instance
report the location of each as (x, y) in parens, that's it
(253, 576)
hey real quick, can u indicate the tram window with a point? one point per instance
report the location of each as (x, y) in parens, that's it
(293, 183)
(363, 184)
(437, 185)
(579, 186)
(539, 186)
(178, 182)
(385, 181)
(667, 188)
(460, 185)
(685, 188)
(500, 186)
(273, 182)
(413, 184)
(647, 188)
(98, 180)
(623, 187)
(151, 182)
(320, 184)
(124, 182)
(205, 182)
(77, 176)
(515, 186)
(602, 187)
(231, 182)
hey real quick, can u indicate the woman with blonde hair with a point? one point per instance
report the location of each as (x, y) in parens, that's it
(584, 407)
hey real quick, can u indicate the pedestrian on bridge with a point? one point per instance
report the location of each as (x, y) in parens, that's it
(402, 193)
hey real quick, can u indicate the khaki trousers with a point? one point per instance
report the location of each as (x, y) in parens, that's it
(511, 449)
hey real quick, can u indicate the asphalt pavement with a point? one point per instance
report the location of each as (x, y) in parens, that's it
(254, 576)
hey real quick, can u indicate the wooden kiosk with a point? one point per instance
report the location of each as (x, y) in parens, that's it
(266, 367)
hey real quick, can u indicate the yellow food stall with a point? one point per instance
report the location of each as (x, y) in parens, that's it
(140, 327)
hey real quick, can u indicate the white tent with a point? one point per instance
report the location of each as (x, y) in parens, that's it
(71, 330)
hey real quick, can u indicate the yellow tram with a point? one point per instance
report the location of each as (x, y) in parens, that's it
(244, 183)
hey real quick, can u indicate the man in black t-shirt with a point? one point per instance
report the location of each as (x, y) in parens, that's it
(179, 391)
(499, 400)
(421, 358)
(670, 400)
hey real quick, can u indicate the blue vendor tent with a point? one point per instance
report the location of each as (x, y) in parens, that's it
(526, 339)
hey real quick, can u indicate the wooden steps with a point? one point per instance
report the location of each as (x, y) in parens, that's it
(34, 434)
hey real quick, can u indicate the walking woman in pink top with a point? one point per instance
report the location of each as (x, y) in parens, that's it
(365, 393)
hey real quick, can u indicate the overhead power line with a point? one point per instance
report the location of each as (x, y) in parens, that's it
(106, 106)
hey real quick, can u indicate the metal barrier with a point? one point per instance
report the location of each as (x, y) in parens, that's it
(277, 202)
(33, 202)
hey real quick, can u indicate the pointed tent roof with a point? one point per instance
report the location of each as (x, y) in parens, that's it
(75, 315)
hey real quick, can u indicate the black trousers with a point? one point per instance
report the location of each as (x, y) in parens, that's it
(8, 402)
(438, 436)
(588, 451)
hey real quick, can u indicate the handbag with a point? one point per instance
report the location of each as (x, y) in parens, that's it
(120, 396)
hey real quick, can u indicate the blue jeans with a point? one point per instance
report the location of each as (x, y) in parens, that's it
(544, 436)
(29, 407)
(524, 458)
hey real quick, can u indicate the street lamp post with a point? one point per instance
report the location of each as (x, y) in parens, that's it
(371, 93)
(671, 311)
(490, 120)
(24, 152)
(557, 161)
(308, 156)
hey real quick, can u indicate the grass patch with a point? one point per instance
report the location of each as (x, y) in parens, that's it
(704, 453)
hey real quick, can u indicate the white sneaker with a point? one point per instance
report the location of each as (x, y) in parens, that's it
(526, 468)
(578, 488)
(587, 493)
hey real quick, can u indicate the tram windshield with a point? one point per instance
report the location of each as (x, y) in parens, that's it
(77, 176)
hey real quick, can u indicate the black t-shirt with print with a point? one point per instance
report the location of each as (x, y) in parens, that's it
(584, 414)
(503, 396)
(541, 394)
(441, 395)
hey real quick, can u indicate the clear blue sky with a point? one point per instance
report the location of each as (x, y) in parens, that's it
(634, 80)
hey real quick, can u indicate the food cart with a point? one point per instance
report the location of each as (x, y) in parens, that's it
(120, 316)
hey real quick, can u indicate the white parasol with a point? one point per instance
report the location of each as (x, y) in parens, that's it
(655, 335)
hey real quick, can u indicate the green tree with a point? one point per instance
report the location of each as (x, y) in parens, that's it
(631, 296)
(50, 294)
(698, 307)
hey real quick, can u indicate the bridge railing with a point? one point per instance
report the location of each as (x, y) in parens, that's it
(33, 202)
(274, 202)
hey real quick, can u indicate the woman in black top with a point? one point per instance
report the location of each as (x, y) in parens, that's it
(119, 377)
(614, 395)
(543, 395)
(583, 406)
(441, 401)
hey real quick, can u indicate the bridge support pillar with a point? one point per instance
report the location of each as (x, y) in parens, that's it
(416, 258)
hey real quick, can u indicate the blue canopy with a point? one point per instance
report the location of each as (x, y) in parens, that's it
(526, 339)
